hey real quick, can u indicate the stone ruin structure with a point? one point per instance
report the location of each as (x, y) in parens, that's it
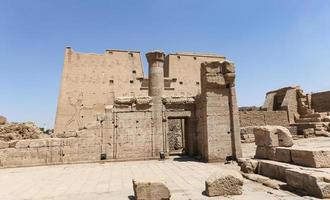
(108, 110)
(186, 105)
(309, 113)
(303, 114)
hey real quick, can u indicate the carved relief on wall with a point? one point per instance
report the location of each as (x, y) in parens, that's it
(75, 100)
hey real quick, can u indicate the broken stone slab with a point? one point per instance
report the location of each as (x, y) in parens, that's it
(322, 133)
(315, 183)
(275, 184)
(249, 166)
(224, 182)
(317, 158)
(272, 136)
(256, 178)
(273, 169)
(146, 190)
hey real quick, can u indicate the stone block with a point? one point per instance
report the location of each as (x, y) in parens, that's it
(315, 184)
(273, 169)
(38, 143)
(54, 142)
(283, 154)
(22, 144)
(145, 190)
(224, 182)
(4, 144)
(322, 133)
(311, 157)
(265, 153)
(272, 136)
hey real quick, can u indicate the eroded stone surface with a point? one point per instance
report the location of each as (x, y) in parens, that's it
(3, 120)
(224, 182)
(249, 166)
(272, 136)
(148, 190)
(311, 157)
(314, 183)
(263, 152)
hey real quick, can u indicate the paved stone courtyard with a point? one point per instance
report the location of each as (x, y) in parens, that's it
(113, 181)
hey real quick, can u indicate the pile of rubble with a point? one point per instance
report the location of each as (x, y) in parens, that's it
(317, 124)
(18, 131)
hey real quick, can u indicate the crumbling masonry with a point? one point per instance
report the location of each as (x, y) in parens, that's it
(108, 110)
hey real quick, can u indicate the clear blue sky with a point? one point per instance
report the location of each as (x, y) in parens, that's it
(274, 43)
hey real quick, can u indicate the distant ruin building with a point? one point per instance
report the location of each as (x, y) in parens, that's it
(303, 114)
(187, 104)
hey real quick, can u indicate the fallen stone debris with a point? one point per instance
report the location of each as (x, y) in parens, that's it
(149, 190)
(305, 169)
(223, 183)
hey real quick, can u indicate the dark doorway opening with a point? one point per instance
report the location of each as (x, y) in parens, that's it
(177, 136)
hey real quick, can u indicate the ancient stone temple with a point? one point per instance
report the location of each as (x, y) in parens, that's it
(186, 105)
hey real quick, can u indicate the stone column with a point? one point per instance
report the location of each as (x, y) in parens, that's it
(156, 89)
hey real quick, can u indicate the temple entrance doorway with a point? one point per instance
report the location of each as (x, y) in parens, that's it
(176, 135)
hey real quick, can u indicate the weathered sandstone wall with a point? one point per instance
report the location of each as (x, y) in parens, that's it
(321, 101)
(262, 118)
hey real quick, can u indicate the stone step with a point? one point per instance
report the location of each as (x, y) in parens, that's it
(314, 115)
(303, 120)
(308, 157)
(315, 182)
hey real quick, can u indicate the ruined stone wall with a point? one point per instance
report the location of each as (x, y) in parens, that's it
(221, 135)
(290, 103)
(91, 81)
(321, 101)
(283, 99)
(49, 151)
(183, 72)
(124, 133)
(262, 118)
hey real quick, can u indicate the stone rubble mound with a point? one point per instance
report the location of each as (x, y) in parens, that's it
(19, 131)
